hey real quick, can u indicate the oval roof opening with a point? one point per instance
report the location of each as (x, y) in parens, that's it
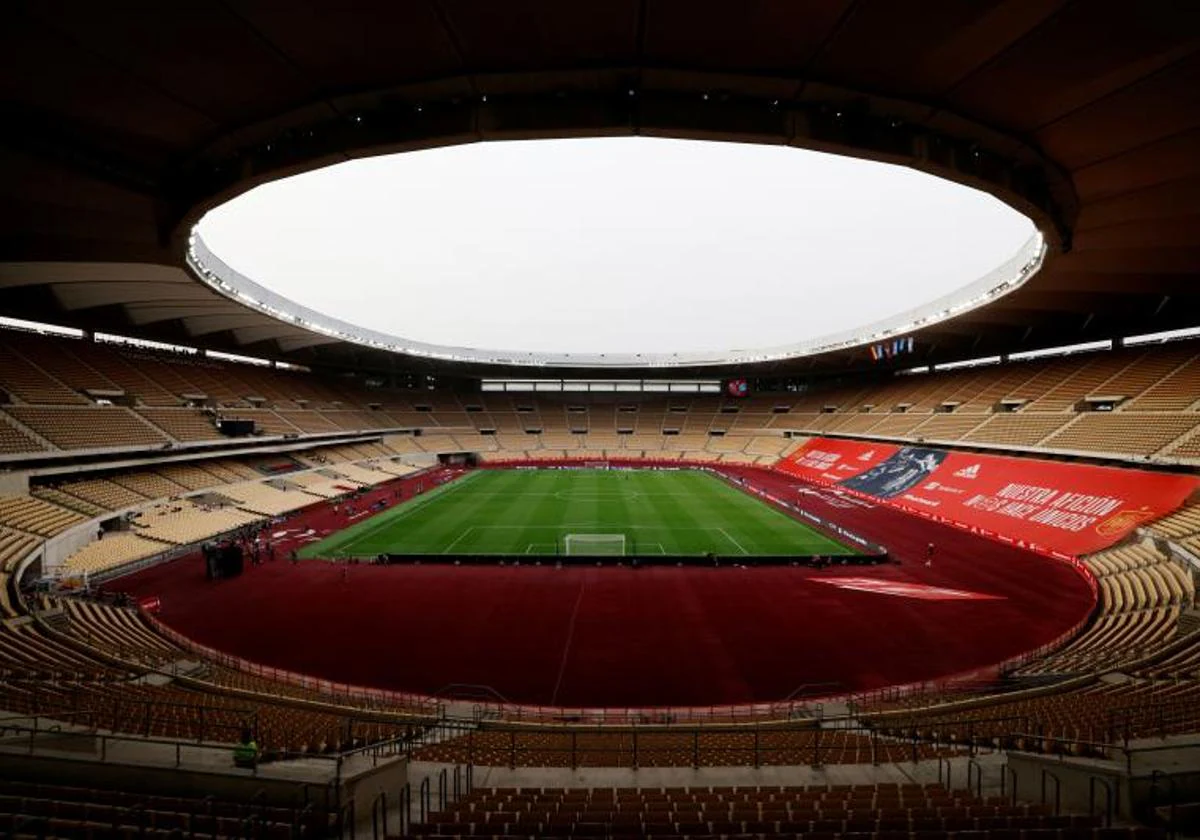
(613, 245)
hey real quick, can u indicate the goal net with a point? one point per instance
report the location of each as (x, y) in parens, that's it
(595, 545)
(596, 465)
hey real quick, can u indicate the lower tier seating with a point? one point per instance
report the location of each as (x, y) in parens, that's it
(1066, 722)
(866, 812)
(115, 549)
(35, 516)
(40, 810)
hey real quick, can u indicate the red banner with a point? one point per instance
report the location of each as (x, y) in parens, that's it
(1061, 509)
(830, 460)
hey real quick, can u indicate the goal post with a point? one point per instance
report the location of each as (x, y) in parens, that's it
(594, 545)
(596, 465)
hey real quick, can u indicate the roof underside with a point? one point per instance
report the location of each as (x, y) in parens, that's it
(120, 129)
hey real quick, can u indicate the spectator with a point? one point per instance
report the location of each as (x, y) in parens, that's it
(245, 754)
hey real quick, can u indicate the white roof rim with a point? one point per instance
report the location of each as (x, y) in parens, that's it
(1000, 281)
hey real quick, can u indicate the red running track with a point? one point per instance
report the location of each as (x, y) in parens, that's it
(614, 636)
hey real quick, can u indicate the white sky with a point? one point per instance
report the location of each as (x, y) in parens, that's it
(613, 245)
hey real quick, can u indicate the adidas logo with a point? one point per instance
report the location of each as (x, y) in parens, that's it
(968, 472)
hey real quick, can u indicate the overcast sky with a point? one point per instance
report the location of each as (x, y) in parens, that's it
(613, 245)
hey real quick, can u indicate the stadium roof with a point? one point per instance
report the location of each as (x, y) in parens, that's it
(123, 126)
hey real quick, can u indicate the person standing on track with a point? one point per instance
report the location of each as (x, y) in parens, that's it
(929, 556)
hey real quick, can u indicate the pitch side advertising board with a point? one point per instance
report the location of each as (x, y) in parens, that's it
(1065, 510)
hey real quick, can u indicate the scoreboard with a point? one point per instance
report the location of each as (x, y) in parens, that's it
(737, 388)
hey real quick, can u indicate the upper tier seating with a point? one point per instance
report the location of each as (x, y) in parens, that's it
(1027, 405)
(88, 427)
(183, 424)
(1178, 391)
(13, 440)
(1121, 432)
(28, 382)
(1016, 429)
(1187, 448)
(931, 427)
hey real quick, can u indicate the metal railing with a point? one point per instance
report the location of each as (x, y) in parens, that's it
(644, 745)
(453, 784)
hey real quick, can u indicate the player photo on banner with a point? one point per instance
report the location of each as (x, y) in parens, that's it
(905, 469)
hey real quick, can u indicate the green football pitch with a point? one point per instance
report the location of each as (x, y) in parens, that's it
(536, 512)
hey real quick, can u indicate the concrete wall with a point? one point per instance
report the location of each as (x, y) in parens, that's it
(58, 549)
(14, 483)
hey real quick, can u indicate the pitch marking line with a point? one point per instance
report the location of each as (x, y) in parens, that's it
(458, 539)
(408, 509)
(732, 540)
(584, 495)
(589, 496)
(612, 526)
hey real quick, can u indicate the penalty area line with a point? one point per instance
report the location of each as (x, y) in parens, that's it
(458, 539)
(402, 511)
(740, 547)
